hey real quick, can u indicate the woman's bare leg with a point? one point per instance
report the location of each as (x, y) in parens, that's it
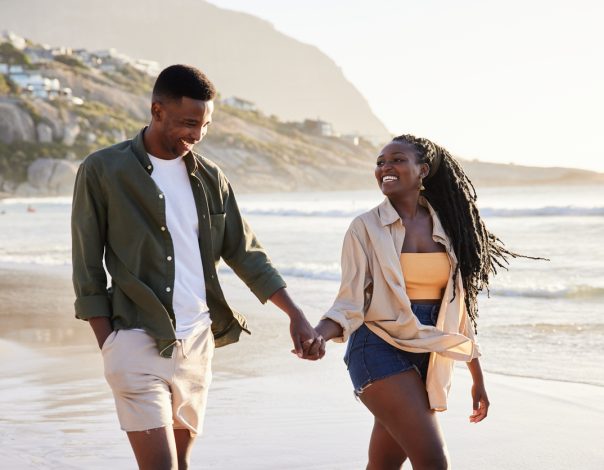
(384, 451)
(400, 404)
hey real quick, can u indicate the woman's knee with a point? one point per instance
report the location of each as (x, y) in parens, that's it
(385, 462)
(434, 459)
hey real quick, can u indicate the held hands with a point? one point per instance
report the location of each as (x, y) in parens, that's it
(308, 343)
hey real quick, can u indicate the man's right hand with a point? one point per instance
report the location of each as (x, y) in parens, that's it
(101, 326)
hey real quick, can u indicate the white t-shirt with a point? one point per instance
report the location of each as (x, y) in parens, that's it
(189, 295)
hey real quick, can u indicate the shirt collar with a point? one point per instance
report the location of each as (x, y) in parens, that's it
(138, 147)
(388, 216)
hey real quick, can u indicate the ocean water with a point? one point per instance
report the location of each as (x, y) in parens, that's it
(542, 319)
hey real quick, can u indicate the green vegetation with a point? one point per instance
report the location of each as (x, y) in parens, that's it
(132, 80)
(26, 105)
(5, 88)
(70, 61)
(105, 119)
(16, 157)
(9, 54)
(242, 136)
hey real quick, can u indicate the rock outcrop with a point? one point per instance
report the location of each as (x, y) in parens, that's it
(15, 123)
(47, 176)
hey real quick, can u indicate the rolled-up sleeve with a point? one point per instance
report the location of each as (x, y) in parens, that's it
(88, 235)
(348, 308)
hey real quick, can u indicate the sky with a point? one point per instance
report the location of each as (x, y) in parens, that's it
(511, 82)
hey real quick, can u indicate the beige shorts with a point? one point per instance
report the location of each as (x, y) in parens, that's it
(151, 391)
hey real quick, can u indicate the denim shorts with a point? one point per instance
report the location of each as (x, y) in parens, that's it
(370, 358)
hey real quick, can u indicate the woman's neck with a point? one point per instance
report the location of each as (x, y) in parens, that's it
(407, 206)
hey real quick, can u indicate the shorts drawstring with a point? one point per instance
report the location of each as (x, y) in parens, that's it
(184, 349)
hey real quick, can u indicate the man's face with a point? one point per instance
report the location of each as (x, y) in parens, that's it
(181, 124)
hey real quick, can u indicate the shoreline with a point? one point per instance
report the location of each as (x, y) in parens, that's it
(280, 412)
(58, 326)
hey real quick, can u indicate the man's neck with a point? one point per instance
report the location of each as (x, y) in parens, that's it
(153, 144)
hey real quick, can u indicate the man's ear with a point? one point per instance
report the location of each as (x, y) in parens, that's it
(157, 111)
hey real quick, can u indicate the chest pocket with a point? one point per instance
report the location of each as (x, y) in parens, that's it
(217, 222)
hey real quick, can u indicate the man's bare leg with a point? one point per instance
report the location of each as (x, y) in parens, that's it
(184, 445)
(155, 449)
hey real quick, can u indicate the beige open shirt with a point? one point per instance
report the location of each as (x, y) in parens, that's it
(373, 291)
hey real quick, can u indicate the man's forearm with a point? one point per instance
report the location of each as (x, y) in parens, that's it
(101, 326)
(282, 300)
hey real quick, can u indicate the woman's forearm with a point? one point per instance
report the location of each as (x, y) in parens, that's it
(329, 329)
(475, 370)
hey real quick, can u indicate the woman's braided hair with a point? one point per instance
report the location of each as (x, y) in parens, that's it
(452, 195)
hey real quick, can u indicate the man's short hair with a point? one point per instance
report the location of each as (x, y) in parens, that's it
(179, 80)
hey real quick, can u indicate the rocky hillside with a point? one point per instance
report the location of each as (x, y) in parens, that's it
(258, 152)
(42, 140)
(244, 55)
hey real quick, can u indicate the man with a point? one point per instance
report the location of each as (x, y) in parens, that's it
(162, 216)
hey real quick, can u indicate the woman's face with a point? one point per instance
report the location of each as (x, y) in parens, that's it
(397, 170)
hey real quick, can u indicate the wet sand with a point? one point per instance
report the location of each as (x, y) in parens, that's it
(267, 409)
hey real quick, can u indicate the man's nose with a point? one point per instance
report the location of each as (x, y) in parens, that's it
(196, 134)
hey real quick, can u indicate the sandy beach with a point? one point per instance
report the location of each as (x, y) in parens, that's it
(267, 409)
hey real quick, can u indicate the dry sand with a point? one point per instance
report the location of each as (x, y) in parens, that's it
(267, 409)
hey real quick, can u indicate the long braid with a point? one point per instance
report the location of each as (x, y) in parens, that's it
(453, 196)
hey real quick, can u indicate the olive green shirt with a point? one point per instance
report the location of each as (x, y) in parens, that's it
(119, 215)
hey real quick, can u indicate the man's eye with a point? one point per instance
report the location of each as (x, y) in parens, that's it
(379, 163)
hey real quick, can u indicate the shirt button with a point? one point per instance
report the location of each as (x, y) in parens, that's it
(169, 258)
(168, 289)
(161, 196)
(211, 276)
(163, 229)
(149, 167)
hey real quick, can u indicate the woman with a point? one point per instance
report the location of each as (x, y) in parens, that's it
(411, 271)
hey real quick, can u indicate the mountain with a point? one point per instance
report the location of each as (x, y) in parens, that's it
(43, 137)
(242, 54)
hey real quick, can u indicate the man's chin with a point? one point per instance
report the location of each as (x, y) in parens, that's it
(179, 151)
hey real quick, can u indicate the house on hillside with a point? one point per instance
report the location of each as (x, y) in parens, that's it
(318, 127)
(38, 55)
(351, 139)
(55, 51)
(17, 41)
(8, 69)
(240, 103)
(109, 60)
(36, 85)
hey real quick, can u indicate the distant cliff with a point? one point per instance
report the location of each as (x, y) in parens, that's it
(244, 55)
(42, 140)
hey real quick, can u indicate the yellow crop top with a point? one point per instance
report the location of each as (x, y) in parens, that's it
(426, 274)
